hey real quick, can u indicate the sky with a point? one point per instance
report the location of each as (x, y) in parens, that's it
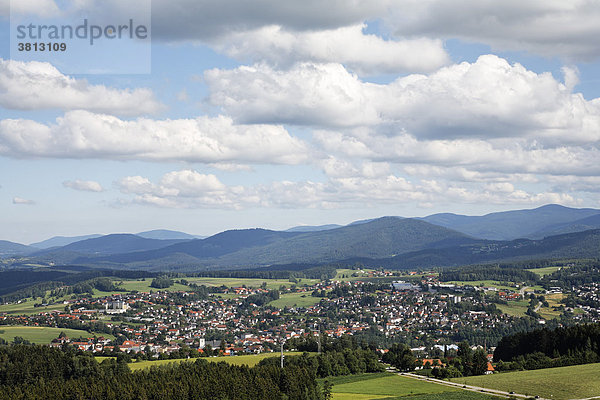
(268, 113)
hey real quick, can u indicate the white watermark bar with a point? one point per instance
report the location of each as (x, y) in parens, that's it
(91, 40)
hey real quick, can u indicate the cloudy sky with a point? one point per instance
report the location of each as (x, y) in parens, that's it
(278, 113)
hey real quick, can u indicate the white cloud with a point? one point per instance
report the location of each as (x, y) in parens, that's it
(489, 98)
(22, 201)
(546, 27)
(308, 94)
(191, 189)
(365, 54)
(86, 186)
(81, 134)
(38, 85)
(508, 156)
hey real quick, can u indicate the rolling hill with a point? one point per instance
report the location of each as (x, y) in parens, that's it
(8, 249)
(383, 237)
(571, 245)
(509, 225)
(110, 244)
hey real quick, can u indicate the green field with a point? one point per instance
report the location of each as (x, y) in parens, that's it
(544, 271)
(390, 386)
(43, 335)
(494, 284)
(143, 285)
(518, 308)
(249, 282)
(302, 299)
(579, 381)
(345, 275)
(249, 360)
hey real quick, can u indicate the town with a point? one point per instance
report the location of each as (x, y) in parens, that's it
(374, 306)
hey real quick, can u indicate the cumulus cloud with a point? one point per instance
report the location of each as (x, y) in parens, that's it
(513, 156)
(81, 134)
(191, 189)
(488, 98)
(85, 186)
(39, 85)
(22, 201)
(365, 54)
(549, 28)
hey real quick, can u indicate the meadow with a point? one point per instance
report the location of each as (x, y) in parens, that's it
(544, 271)
(43, 335)
(578, 381)
(300, 299)
(249, 282)
(390, 386)
(249, 360)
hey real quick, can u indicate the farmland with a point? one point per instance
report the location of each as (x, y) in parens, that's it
(579, 381)
(301, 299)
(249, 360)
(43, 335)
(387, 386)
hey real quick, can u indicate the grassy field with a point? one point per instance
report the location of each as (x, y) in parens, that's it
(579, 381)
(518, 308)
(43, 335)
(544, 271)
(26, 308)
(345, 275)
(514, 308)
(249, 282)
(143, 285)
(249, 360)
(390, 386)
(494, 284)
(303, 299)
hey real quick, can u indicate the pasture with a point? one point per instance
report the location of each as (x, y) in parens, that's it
(42, 334)
(249, 360)
(300, 299)
(391, 386)
(578, 381)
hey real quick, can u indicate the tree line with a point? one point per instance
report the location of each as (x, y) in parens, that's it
(545, 348)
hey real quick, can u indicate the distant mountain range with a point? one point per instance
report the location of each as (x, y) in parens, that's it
(436, 240)
(509, 225)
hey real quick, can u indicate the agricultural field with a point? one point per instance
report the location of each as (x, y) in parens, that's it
(518, 308)
(346, 275)
(301, 299)
(390, 386)
(494, 284)
(25, 307)
(578, 381)
(249, 360)
(143, 285)
(249, 282)
(43, 335)
(544, 271)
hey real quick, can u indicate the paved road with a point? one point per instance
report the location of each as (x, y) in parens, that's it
(478, 389)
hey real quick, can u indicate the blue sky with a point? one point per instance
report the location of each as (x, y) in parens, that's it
(275, 114)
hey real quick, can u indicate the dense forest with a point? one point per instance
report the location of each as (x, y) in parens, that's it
(545, 348)
(28, 372)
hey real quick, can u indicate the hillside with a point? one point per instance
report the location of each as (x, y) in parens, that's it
(8, 249)
(382, 237)
(509, 225)
(584, 224)
(572, 245)
(60, 241)
(110, 244)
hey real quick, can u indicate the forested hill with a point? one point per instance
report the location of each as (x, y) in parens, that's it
(572, 245)
(383, 237)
